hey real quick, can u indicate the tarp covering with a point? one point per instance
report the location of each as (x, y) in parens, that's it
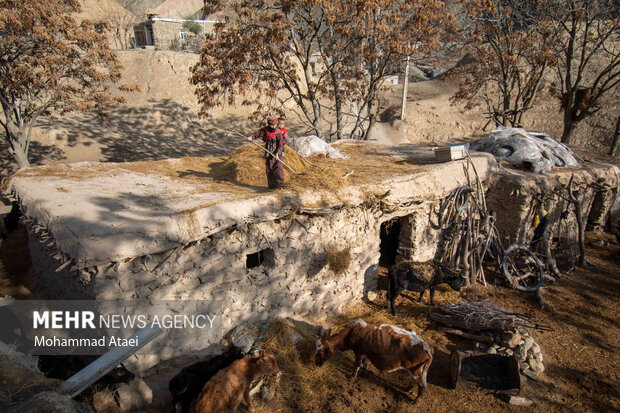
(310, 145)
(531, 150)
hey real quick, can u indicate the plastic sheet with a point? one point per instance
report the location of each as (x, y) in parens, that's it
(310, 145)
(531, 150)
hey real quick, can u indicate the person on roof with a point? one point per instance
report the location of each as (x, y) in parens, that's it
(274, 145)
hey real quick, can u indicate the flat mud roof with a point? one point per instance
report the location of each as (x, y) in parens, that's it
(102, 212)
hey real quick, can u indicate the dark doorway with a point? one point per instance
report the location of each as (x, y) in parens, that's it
(390, 233)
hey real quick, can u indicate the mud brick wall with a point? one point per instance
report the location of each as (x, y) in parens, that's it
(514, 195)
(294, 280)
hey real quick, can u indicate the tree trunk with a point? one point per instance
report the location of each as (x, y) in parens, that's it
(616, 140)
(338, 105)
(569, 128)
(15, 134)
(581, 227)
(19, 153)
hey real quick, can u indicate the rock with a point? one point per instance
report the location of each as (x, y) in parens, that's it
(528, 343)
(491, 350)
(523, 366)
(536, 366)
(243, 337)
(511, 340)
(538, 357)
(540, 367)
(535, 348)
(134, 395)
(520, 401)
(372, 296)
(521, 354)
(531, 375)
(509, 352)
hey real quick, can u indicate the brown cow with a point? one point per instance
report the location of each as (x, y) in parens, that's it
(225, 391)
(389, 348)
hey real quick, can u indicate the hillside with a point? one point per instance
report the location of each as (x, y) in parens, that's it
(101, 9)
(139, 7)
(177, 9)
(161, 120)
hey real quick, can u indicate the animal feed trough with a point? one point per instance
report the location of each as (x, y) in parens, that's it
(491, 373)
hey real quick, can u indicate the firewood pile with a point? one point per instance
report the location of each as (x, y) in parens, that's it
(468, 229)
(503, 331)
(482, 316)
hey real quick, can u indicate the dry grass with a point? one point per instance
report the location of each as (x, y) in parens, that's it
(242, 174)
(304, 385)
(339, 260)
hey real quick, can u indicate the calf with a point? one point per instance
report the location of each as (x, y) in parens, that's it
(387, 347)
(405, 276)
(188, 384)
(230, 386)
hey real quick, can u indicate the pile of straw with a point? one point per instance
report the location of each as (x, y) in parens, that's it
(246, 166)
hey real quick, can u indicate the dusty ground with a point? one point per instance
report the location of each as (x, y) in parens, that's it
(580, 355)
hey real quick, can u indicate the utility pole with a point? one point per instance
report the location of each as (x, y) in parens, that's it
(403, 107)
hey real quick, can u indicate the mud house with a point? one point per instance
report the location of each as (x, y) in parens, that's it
(165, 33)
(168, 230)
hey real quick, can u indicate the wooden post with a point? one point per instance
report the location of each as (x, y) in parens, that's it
(403, 107)
(75, 384)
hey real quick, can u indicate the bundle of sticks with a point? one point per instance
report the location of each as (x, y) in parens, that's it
(469, 229)
(482, 316)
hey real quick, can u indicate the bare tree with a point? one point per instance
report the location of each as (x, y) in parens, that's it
(616, 139)
(121, 25)
(510, 50)
(587, 49)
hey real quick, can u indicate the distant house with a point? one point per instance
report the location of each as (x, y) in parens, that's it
(167, 26)
(168, 33)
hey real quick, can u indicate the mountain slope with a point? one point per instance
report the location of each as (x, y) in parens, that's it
(139, 7)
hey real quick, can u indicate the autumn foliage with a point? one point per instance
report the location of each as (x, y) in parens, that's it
(325, 60)
(516, 46)
(49, 62)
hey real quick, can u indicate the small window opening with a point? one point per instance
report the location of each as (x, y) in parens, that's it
(182, 34)
(264, 257)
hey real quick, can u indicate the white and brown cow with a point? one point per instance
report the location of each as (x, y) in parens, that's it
(388, 348)
(231, 385)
